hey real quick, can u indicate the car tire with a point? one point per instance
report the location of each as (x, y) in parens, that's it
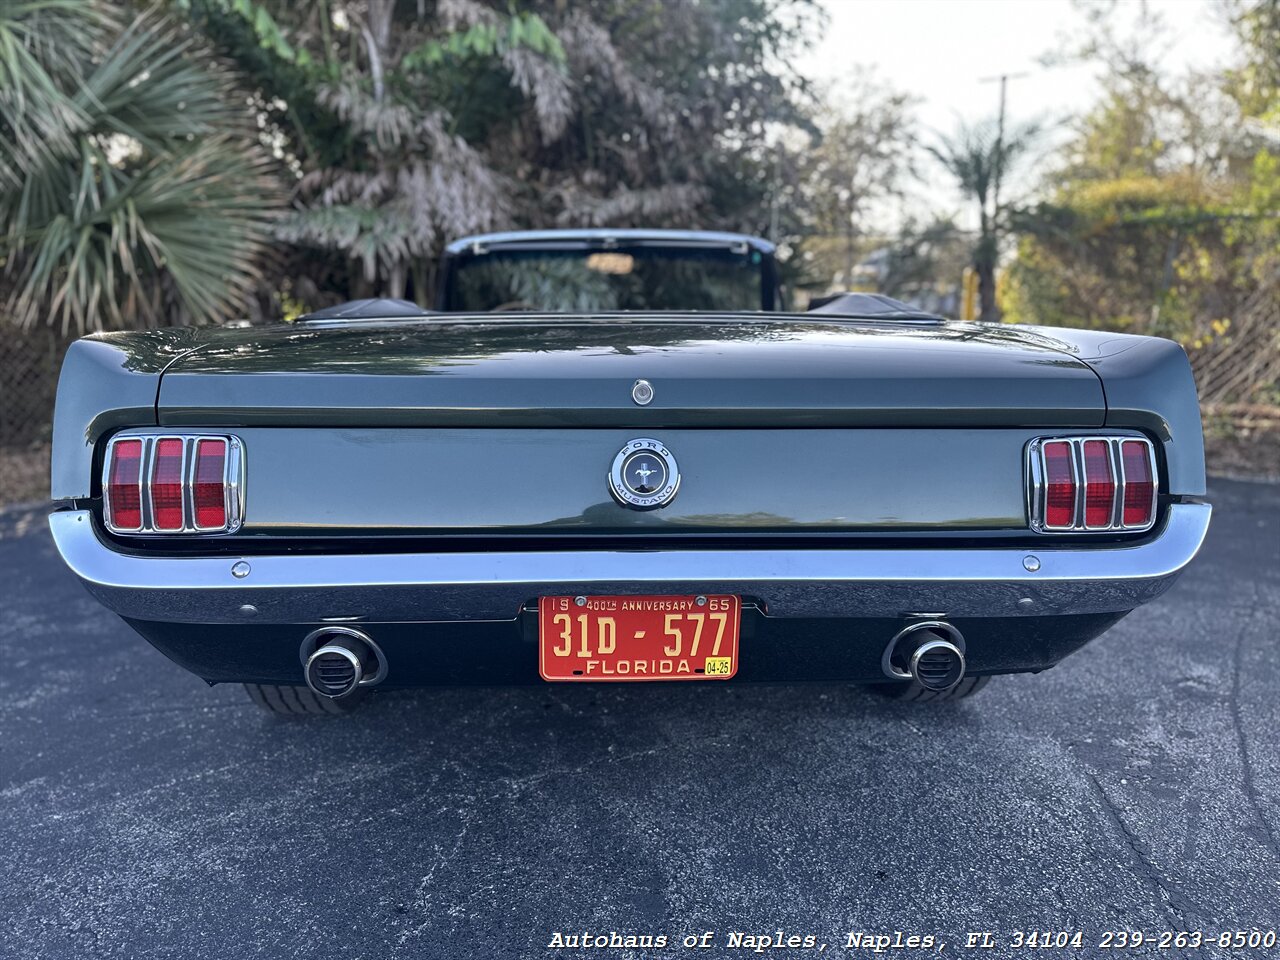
(916, 693)
(290, 701)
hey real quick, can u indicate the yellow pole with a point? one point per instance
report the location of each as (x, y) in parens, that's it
(969, 294)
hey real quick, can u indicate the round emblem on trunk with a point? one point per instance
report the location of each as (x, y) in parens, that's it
(644, 475)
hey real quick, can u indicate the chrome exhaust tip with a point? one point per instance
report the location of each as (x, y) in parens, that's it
(334, 670)
(339, 660)
(937, 665)
(930, 653)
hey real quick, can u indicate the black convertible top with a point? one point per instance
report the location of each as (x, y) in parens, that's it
(868, 306)
(380, 308)
(861, 306)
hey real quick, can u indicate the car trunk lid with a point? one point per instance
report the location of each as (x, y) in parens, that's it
(706, 371)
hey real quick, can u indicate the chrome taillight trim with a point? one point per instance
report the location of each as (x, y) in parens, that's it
(143, 488)
(1077, 471)
(150, 456)
(1036, 473)
(1117, 499)
(232, 484)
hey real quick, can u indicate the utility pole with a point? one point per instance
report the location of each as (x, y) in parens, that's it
(1003, 79)
(998, 173)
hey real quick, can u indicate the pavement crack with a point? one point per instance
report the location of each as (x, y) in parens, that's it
(1177, 905)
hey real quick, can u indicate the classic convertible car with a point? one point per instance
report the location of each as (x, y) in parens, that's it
(611, 456)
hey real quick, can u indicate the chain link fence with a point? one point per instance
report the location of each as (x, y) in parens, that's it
(1242, 367)
(1238, 375)
(29, 364)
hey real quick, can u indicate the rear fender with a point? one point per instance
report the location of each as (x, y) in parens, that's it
(108, 381)
(1148, 385)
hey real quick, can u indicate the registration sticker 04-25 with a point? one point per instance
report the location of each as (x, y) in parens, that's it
(638, 638)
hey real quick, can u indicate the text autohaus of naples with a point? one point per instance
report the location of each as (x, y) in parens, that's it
(742, 940)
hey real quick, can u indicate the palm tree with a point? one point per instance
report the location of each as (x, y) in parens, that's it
(132, 190)
(979, 158)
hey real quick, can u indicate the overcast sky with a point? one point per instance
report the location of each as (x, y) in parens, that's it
(940, 50)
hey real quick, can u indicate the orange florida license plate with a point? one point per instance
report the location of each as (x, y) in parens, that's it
(638, 638)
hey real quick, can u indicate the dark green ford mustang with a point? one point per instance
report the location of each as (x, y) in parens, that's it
(610, 456)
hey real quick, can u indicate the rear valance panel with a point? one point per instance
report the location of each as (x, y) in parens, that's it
(306, 482)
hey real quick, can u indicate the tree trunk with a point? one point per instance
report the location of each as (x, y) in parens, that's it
(988, 312)
(984, 265)
(380, 15)
(423, 275)
(396, 278)
(377, 37)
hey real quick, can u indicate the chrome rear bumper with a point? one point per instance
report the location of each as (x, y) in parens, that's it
(968, 582)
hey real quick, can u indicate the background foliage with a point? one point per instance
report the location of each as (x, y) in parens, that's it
(215, 158)
(1161, 214)
(408, 124)
(132, 189)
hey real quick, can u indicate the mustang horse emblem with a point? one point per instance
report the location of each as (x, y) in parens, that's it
(644, 475)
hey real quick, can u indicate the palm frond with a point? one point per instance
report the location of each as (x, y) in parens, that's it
(651, 205)
(975, 155)
(546, 84)
(389, 123)
(189, 227)
(385, 219)
(459, 14)
(590, 49)
(154, 86)
(147, 202)
(43, 43)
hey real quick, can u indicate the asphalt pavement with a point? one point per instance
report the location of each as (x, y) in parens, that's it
(1134, 787)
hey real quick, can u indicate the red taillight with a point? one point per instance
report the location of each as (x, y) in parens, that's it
(1116, 476)
(1099, 484)
(1139, 484)
(124, 487)
(173, 484)
(210, 484)
(1060, 485)
(166, 485)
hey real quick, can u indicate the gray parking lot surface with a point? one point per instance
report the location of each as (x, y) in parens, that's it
(1136, 786)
